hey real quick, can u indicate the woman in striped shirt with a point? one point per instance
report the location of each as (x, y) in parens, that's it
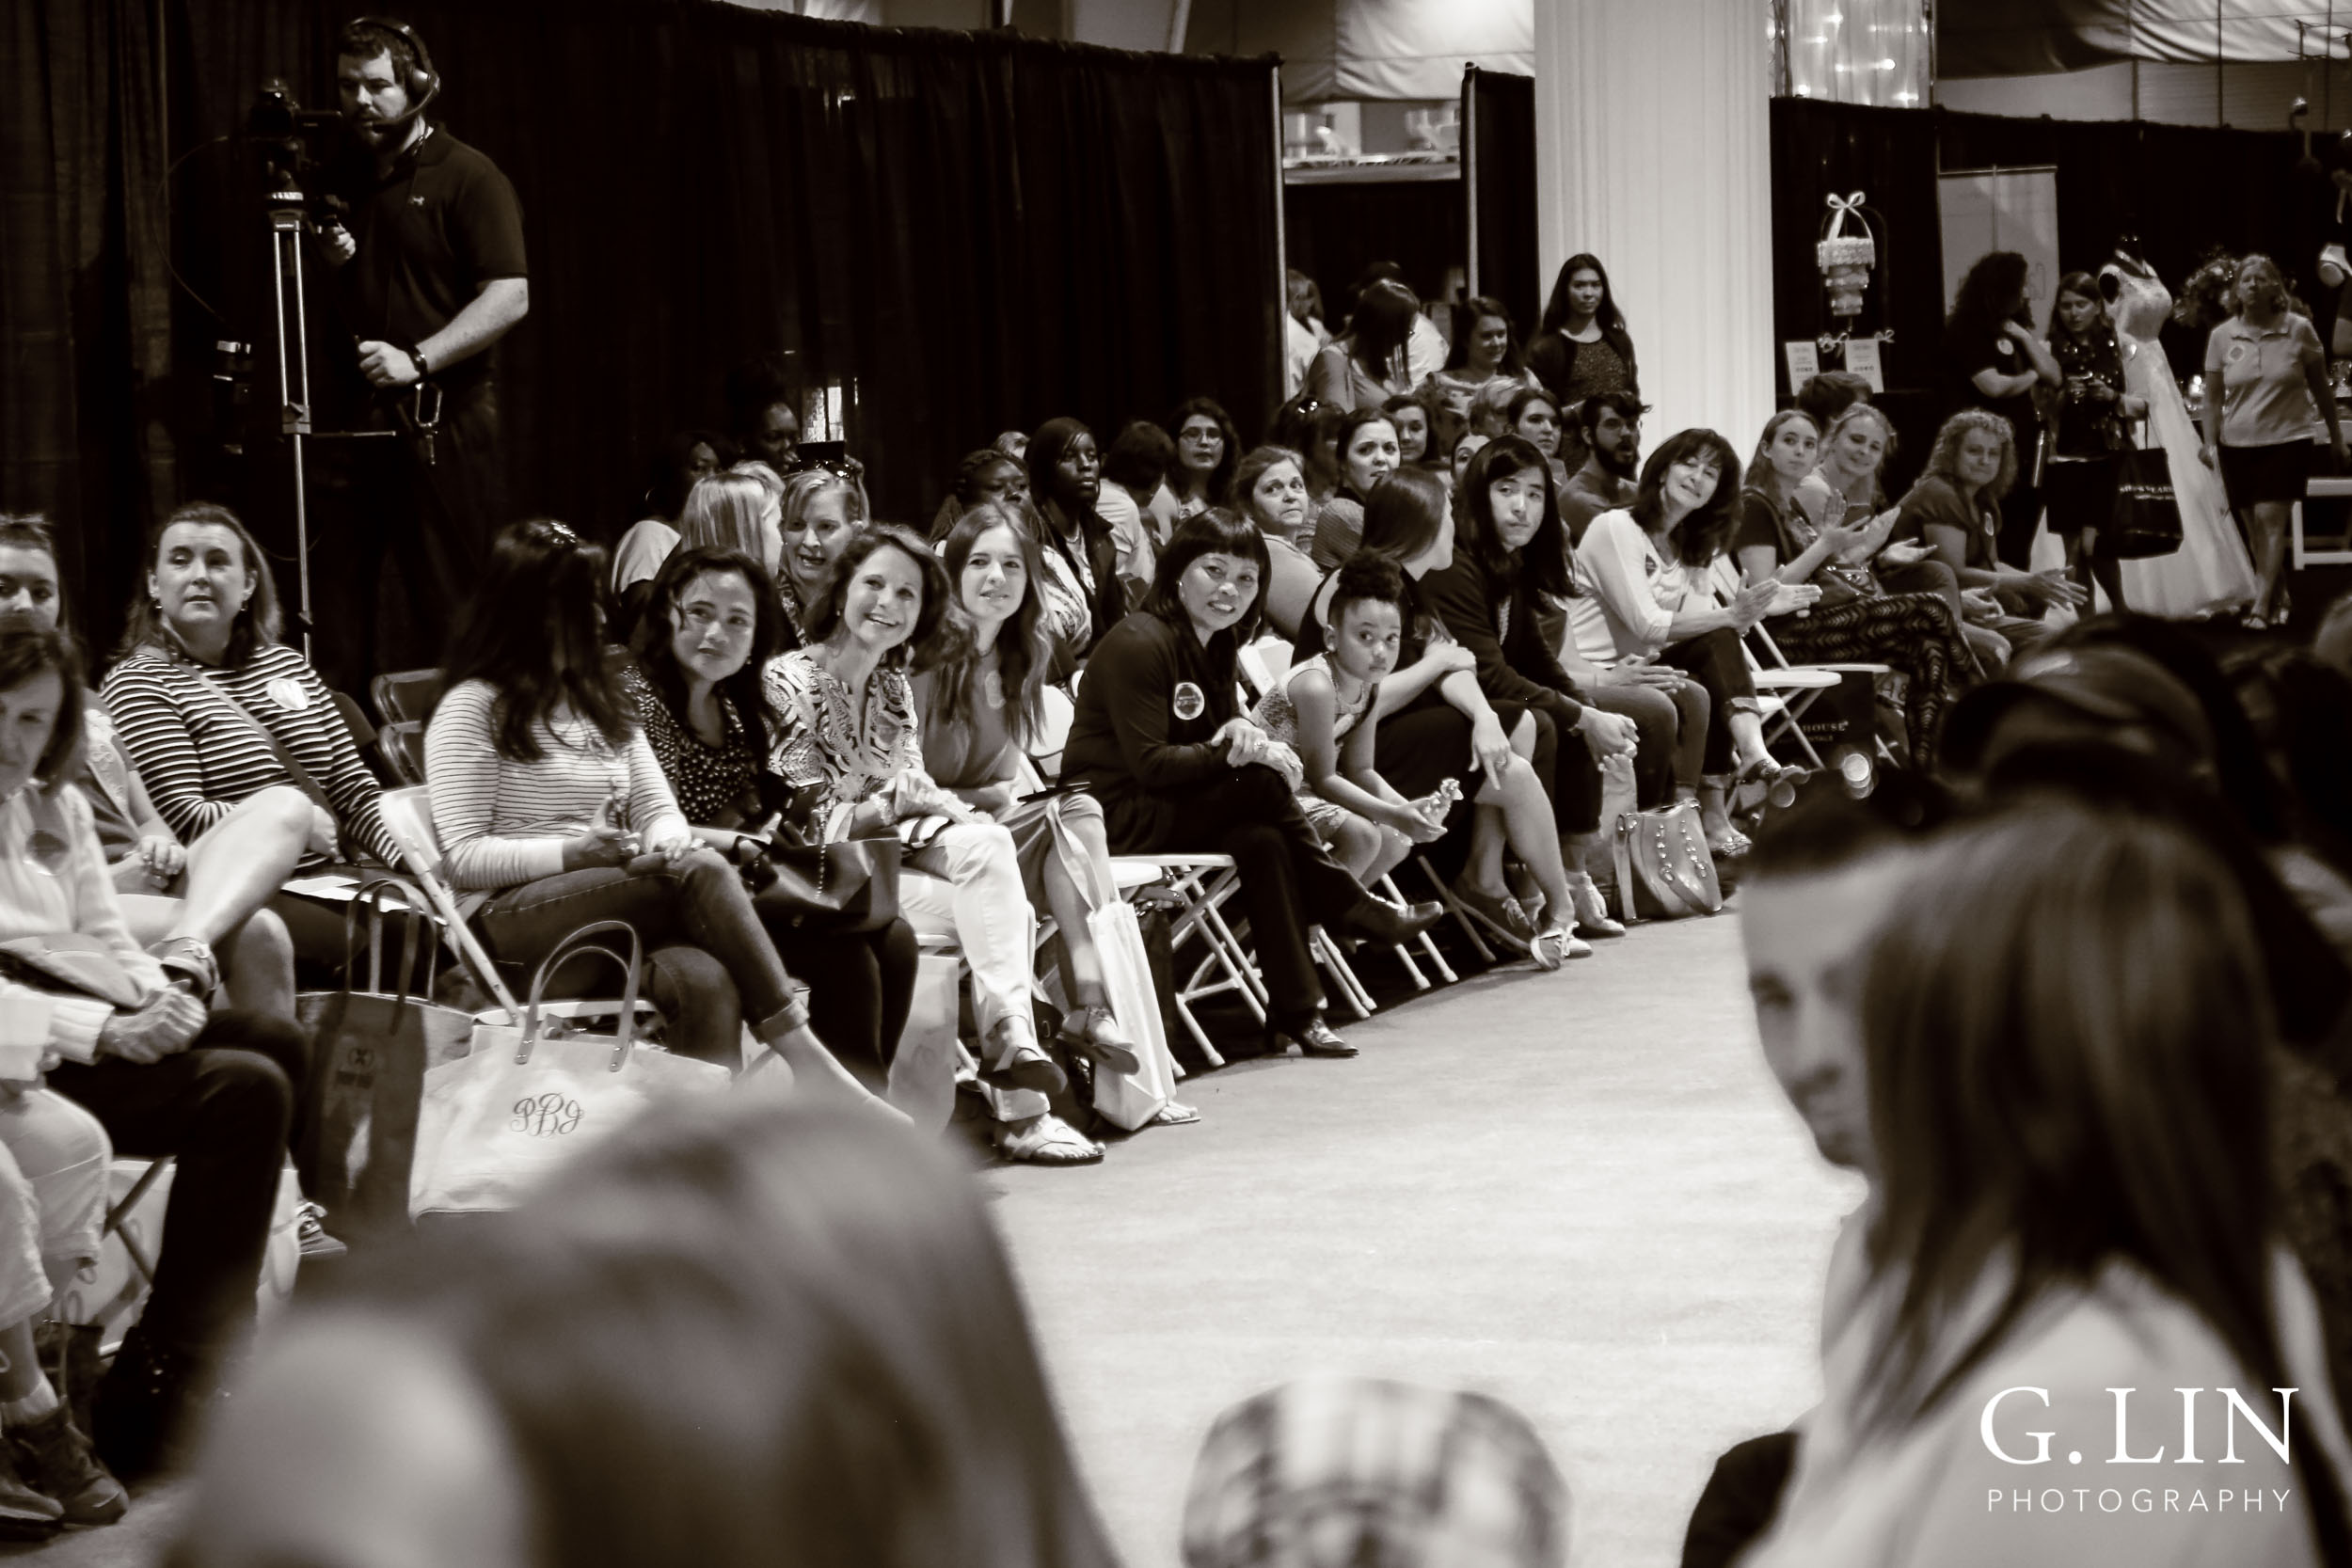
(217, 714)
(547, 798)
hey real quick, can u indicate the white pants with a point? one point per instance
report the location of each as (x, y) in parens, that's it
(991, 915)
(54, 1159)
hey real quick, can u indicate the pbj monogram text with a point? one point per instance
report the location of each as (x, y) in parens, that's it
(546, 1116)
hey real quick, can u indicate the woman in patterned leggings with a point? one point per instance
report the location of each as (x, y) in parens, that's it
(1917, 635)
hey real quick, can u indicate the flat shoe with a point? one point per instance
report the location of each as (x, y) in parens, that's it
(1173, 1115)
(1316, 1039)
(1499, 913)
(1047, 1141)
(1376, 921)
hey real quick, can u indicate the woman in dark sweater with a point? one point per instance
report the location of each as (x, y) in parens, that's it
(1161, 741)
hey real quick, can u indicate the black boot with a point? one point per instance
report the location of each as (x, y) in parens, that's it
(149, 1405)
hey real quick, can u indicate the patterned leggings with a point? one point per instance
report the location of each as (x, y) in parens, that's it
(1914, 634)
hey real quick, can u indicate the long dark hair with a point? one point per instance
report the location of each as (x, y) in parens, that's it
(1981, 305)
(1219, 531)
(653, 641)
(1022, 648)
(257, 625)
(1350, 422)
(1544, 561)
(1403, 516)
(1220, 481)
(1382, 324)
(2064, 1024)
(540, 664)
(1557, 308)
(824, 610)
(1701, 536)
(2088, 287)
(29, 649)
(1466, 316)
(811, 1321)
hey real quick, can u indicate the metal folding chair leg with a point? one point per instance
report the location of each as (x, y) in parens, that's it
(131, 1248)
(1344, 978)
(1453, 907)
(1388, 888)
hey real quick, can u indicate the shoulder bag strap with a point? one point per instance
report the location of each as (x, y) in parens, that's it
(286, 759)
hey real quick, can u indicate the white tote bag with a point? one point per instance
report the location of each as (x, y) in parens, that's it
(1127, 1100)
(497, 1121)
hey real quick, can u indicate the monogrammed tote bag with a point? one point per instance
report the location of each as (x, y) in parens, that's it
(494, 1123)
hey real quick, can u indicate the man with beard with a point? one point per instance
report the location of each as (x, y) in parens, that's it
(431, 275)
(1611, 427)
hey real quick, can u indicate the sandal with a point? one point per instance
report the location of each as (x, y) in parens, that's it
(1048, 1140)
(1733, 844)
(190, 961)
(1094, 1032)
(1018, 1062)
(1499, 913)
(1173, 1115)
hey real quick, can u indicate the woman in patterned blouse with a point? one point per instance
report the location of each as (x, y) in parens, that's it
(847, 733)
(710, 627)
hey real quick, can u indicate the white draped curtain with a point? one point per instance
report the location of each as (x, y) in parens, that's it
(1858, 51)
(1653, 153)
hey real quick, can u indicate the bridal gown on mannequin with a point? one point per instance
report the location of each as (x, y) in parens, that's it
(2211, 571)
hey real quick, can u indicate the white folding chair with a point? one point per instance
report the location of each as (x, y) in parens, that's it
(1785, 693)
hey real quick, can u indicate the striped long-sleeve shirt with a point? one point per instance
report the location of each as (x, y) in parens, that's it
(502, 822)
(198, 759)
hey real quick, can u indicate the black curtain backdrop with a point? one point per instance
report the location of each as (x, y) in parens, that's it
(1333, 232)
(1498, 161)
(970, 232)
(2182, 190)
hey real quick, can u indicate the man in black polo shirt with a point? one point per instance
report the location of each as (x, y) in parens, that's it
(430, 273)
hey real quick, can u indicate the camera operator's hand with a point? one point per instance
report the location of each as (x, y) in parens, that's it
(340, 246)
(387, 365)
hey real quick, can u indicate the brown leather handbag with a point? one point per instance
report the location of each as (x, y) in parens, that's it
(1664, 869)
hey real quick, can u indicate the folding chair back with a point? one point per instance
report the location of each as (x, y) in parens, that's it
(407, 696)
(401, 744)
(407, 816)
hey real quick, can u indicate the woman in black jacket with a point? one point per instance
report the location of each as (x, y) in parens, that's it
(1065, 478)
(1161, 742)
(1512, 549)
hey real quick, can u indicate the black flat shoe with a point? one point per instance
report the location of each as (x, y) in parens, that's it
(1376, 921)
(1314, 1037)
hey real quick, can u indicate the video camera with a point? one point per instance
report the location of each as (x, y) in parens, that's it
(292, 143)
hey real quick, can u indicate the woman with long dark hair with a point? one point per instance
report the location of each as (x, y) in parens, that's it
(1364, 366)
(1207, 447)
(1065, 478)
(1644, 574)
(1160, 739)
(710, 627)
(1582, 345)
(1511, 550)
(1438, 723)
(1856, 620)
(548, 797)
(2064, 1029)
(2079, 481)
(1994, 361)
(1369, 452)
(1487, 346)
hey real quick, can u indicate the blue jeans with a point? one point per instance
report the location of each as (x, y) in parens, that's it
(703, 906)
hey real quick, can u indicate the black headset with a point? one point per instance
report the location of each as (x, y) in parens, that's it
(422, 81)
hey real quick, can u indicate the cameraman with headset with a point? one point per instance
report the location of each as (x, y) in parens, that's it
(431, 275)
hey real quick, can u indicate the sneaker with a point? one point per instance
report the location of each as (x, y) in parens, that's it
(311, 1227)
(57, 1458)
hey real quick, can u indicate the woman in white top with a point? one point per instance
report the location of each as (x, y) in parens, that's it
(2079, 1339)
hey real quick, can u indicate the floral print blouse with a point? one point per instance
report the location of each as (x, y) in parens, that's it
(819, 745)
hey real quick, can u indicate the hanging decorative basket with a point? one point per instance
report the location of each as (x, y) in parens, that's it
(1846, 259)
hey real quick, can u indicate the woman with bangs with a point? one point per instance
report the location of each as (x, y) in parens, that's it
(1856, 620)
(1160, 740)
(1643, 575)
(2073, 1232)
(1511, 552)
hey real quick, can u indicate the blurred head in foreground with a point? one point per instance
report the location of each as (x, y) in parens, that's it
(1366, 1473)
(755, 1335)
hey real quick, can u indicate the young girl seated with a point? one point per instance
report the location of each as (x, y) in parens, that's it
(1326, 708)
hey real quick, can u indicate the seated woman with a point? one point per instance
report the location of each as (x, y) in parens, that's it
(1159, 739)
(1491, 407)
(1955, 510)
(226, 726)
(1270, 489)
(163, 1075)
(846, 731)
(1534, 417)
(1511, 553)
(1916, 635)
(2064, 1035)
(1207, 447)
(547, 798)
(1312, 429)
(1366, 365)
(1643, 575)
(1065, 478)
(982, 704)
(822, 512)
(694, 688)
(54, 1187)
(1438, 723)
(179, 903)
(990, 475)
(1134, 494)
(1410, 415)
(685, 459)
(1368, 454)
(1326, 708)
